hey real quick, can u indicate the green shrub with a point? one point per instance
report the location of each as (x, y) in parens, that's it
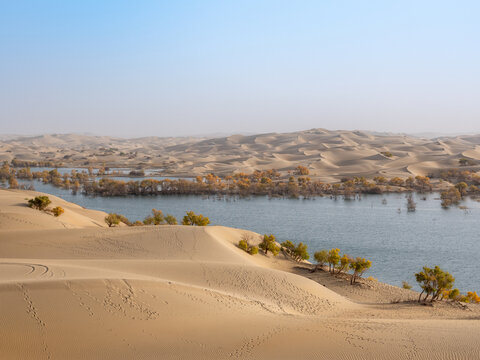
(321, 259)
(434, 282)
(243, 244)
(157, 218)
(297, 252)
(57, 211)
(192, 219)
(268, 244)
(406, 285)
(39, 202)
(253, 250)
(171, 220)
(359, 266)
(112, 220)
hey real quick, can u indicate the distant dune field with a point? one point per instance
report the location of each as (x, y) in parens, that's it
(330, 155)
(70, 288)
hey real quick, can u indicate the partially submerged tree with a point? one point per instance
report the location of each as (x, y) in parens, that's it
(411, 205)
(450, 197)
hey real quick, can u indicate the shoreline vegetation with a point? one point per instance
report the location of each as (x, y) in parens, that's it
(452, 184)
(193, 292)
(434, 282)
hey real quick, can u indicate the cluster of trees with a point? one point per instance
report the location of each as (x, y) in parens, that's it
(41, 203)
(342, 264)
(456, 193)
(267, 182)
(336, 264)
(158, 218)
(459, 175)
(7, 174)
(438, 285)
(258, 183)
(24, 163)
(268, 243)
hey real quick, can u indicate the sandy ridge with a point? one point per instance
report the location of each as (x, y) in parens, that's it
(81, 291)
(330, 155)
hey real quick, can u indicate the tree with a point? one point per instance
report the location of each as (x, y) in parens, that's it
(473, 297)
(124, 219)
(406, 285)
(39, 202)
(411, 205)
(192, 219)
(12, 182)
(321, 257)
(462, 188)
(434, 282)
(359, 266)
(156, 218)
(344, 263)
(57, 211)
(297, 252)
(171, 220)
(333, 259)
(112, 219)
(302, 170)
(268, 244)
(454, 294)
(451, 196)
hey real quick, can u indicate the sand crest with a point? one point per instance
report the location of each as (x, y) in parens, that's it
(73, 289)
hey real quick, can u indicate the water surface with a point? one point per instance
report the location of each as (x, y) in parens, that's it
(377, 227)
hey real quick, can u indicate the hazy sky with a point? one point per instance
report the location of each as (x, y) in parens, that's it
(133, 68)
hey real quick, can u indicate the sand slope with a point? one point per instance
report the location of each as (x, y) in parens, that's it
(177, 292)
(330, 155)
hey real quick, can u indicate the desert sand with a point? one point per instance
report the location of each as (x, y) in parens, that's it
(70, 288)
(329, 155)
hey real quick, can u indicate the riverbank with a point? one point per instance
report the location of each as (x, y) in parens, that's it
(189, 292)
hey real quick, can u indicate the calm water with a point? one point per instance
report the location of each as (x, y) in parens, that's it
(397, 242)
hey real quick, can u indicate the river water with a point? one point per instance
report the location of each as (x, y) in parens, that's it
(377, 227)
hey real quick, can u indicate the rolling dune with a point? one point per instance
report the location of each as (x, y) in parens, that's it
(345, 153)
(70, 288)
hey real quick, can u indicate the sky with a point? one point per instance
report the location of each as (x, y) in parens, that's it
(177, 68)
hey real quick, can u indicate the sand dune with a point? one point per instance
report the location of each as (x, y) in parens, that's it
(178, 292)
(346, 153)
